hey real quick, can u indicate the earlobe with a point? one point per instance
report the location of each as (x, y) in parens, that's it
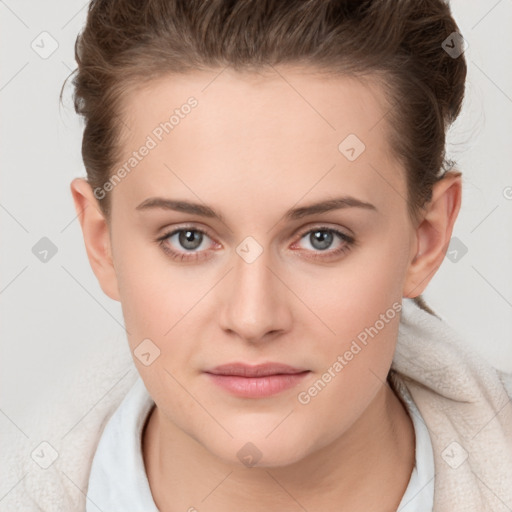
(433, 233)
(96, 236)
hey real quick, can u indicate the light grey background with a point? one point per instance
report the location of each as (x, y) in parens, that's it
(54, 313)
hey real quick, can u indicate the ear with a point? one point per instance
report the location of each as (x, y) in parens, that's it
(96, 234)
(433, 233)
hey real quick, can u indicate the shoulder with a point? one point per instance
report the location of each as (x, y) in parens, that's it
(506, 380)
(464, 402)
(49, 462)
(431, 352)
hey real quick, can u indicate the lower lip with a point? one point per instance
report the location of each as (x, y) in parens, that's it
(257, 387)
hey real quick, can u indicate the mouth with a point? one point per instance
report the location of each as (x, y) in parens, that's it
(256, 381)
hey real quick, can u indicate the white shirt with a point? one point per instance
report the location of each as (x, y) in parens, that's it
(118, 480)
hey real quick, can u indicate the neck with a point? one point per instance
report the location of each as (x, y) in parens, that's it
(369, 467)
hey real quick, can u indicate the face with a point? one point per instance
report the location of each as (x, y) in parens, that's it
(253, 274)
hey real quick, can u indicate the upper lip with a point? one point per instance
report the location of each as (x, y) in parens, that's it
(260, 370)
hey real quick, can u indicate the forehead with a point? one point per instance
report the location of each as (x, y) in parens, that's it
(268, 102)
(251, 132)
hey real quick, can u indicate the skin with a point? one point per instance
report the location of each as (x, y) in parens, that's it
(253, 148)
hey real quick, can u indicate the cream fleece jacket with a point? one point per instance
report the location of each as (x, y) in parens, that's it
(465, 403)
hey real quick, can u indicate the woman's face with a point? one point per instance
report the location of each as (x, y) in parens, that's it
(258, 274)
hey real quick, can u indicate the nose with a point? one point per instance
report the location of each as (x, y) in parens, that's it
(254, 300)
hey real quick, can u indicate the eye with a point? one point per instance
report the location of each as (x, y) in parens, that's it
(189, 239)
(189, 244)
(185, 243)
(320, 239)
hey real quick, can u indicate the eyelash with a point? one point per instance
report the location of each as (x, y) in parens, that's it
(197, 256)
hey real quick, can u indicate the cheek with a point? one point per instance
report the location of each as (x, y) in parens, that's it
(169, 305)
(155, 293)
(365, 315)
(366, 284)
(361, 304)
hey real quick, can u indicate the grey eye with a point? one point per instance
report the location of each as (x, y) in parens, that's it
(190, 239)
(321, 239)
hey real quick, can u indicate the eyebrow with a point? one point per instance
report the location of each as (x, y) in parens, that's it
(292, 214)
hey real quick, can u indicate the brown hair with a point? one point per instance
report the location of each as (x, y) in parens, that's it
(126, 43)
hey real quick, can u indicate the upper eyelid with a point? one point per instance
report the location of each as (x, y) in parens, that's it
(172, 231)
(318, 226)
(300, 232)
(321, 227)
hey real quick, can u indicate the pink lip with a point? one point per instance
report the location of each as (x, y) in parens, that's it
(256, 381)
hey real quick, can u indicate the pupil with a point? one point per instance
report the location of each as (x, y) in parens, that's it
(323, 241)
(188, 239)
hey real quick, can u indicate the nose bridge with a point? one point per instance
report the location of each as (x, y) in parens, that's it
(254, 304)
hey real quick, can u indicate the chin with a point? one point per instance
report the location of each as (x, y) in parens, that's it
(261, 452)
